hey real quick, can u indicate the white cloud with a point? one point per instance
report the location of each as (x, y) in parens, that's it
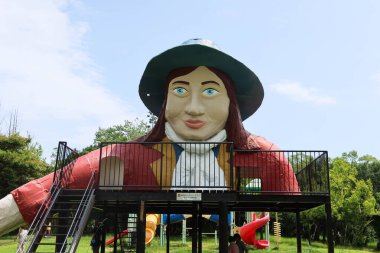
(301, 93)
(46, 73)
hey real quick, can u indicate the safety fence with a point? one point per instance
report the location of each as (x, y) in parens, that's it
(191, 166)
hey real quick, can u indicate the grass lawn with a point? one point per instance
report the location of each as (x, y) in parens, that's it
(8, 245)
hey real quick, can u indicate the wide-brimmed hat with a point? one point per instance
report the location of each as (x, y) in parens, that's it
(199, 52)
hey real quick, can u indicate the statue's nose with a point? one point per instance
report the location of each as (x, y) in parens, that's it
(194, 106)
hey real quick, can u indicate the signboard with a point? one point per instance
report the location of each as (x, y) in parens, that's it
(189, 196)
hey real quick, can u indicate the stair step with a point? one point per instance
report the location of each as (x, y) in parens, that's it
(62, 226)
(61, 218)
(52, 243)
(67, 192)
(63, 209)
(43, 252)
(52, 235)
(67, 202)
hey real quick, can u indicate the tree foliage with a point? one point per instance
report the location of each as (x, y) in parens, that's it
(20, 162)
(120, 133)
(353, 202)
(127, 131)
(369, 169)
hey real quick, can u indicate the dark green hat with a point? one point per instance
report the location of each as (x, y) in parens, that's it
(199, 52)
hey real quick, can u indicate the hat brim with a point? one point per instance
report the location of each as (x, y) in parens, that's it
(249, 91)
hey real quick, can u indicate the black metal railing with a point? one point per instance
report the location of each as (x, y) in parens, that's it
(64, 164)
(313, 176)
(282, 172)
(63, 167)
(203, 166)
(164, 166)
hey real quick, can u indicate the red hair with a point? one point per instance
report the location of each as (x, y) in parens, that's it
(234, 125)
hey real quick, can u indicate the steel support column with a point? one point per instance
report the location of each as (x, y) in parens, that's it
(115, 229)
(199, 219)
(104, 231)
(194, 229)
(62, 228)
(223, 227)
(168, 231)
(330, 241)
(141, 220)
(298, 227)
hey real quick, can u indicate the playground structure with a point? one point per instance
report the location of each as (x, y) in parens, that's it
(129, 205)
(198, 159)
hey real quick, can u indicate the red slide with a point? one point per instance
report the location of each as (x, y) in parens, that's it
(118, 235)
(248, 231)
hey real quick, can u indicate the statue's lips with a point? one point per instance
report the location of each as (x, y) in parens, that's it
(195, 123)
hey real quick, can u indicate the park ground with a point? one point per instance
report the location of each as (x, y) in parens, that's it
(9, 245)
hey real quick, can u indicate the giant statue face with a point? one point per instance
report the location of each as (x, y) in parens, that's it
(197, 105)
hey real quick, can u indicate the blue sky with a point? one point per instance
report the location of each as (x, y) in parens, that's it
(69, 67)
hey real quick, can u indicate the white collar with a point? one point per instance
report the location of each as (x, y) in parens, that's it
(195, 146)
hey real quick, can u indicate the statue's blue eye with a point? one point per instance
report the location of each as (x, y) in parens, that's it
(180, 91)
(210, 92)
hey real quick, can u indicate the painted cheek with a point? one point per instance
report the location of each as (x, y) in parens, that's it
(173, 111)
(220, 114)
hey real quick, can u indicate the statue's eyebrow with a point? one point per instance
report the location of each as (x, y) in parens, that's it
(181, 82)
(207, 82)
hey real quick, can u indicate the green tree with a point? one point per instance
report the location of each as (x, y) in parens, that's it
(369, 169)
(314, 224)
(127, 131)
(353, 201)
(20, 162)
(120, 133)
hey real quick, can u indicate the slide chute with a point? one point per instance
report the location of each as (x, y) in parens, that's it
(248, 231)
(151, 223)
(124, 232)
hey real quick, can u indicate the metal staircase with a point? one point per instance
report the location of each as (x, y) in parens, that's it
(67, 210)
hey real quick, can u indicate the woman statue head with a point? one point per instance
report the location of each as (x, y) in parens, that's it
(199, 90)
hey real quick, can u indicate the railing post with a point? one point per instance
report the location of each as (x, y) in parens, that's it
(328, 173)
(56, 161)
(64, 158)
(100, 172)
(231, 167)
(161, 166)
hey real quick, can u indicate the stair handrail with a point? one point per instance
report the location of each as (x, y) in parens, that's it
(40, 218)
(83, 222)
(88, 193)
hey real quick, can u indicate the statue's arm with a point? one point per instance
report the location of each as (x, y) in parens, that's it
(22, 204)
(10, 216)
